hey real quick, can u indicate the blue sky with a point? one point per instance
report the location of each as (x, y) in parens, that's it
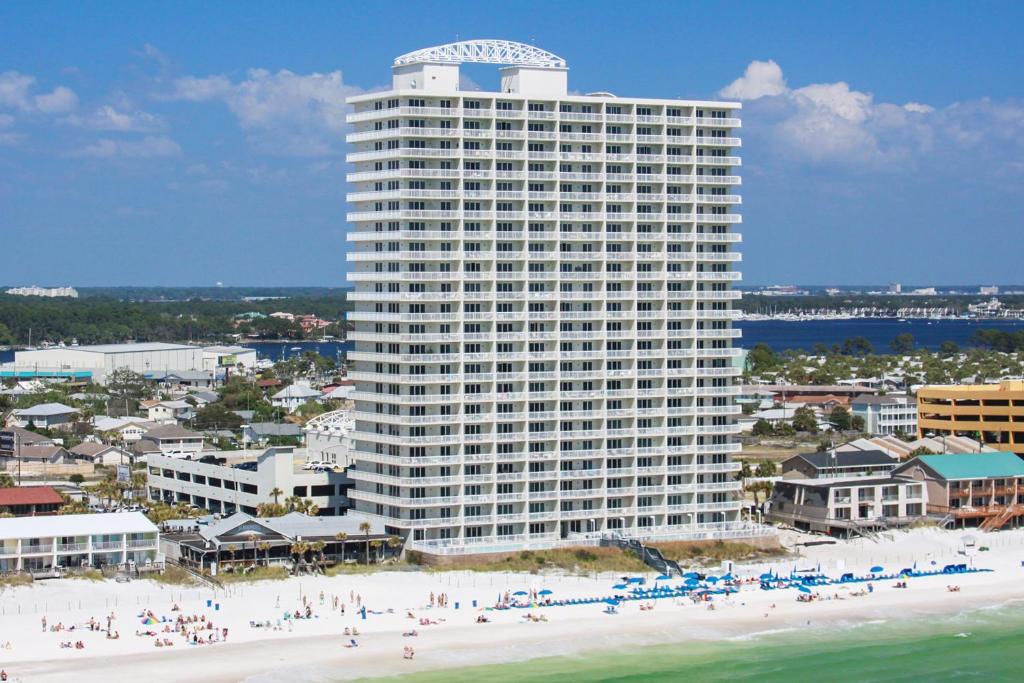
(192, 142)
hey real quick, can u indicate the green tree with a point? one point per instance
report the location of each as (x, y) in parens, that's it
(765, 468)
(762, 428)
(857, 423)
(840, 418)
(269, 510)
(311, 409)
(804, 420)
(920, 450)
(7, 481)
(216, 416)
(902, 344)
(948, 349)
(761, 358)
(784, 429)
(364, 529)
(858, 346)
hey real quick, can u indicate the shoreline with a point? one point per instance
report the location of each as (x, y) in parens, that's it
(314, 650)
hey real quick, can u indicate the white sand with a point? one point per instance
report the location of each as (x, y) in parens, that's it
(313, 649)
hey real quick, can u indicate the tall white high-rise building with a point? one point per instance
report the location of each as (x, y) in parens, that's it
(543, 320)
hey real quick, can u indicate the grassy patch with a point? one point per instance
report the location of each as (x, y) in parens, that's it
(257, 574)
(86, 575)
(358, 568)
(172, 576)
(580, 560)
(705, 553)
(15, 580)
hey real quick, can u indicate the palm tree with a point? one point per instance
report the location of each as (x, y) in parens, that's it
(264, 548)
(341, 537)
(275, 492)
(299, 549)
(138, 484)
(364, 529)
(394, 542)
(252, 537)
(318, 548)
(376, 547)
(231, 548)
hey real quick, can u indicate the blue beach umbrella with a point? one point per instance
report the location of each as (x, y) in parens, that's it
(803, 589)
(635, 579)
(611, 601)
(876, 569)
(692, 582)
(727, 577)
(711, 579)
(691, 575)
(664, 577)
(520, 593)
(619, 586)
(545, 592)
(767, 576)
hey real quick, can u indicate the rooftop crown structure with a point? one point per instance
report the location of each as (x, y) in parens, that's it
(542, 319)
(527, 68)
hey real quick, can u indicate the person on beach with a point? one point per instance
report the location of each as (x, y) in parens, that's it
(44, 624)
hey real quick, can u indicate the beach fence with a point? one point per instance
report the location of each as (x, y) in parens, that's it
(158, 601)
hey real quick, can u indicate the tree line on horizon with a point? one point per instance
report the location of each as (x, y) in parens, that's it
(105, 320)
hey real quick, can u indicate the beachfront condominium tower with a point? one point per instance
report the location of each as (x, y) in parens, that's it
(542, 308)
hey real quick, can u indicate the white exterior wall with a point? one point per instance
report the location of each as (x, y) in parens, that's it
(543, 320)
(251, 488)
(212, 356)
(101, 364)
(61, 540)
(886, 420)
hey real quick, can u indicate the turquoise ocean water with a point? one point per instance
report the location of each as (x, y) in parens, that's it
(983, 645)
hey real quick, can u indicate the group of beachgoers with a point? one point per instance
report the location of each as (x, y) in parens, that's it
(92, 625)
(194, 629)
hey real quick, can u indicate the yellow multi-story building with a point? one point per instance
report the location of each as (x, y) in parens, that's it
(991, 413)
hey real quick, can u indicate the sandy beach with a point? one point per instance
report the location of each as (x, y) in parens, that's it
(313, 649)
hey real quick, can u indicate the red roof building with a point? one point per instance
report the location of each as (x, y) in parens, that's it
(29, 501)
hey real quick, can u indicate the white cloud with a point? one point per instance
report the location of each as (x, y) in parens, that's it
(15, 93)
(153, 52)
(6, 120)
(282, 112)
(835, 99)
(60, 101)
(110, 118)
(10, 139)
(918, 108)
(194, 89)
(834, 122)
(146, 148)
(761, 79)
(14, 89)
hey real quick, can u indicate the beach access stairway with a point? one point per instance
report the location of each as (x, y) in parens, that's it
(650, 556)
(1000, 520)
(207, 581)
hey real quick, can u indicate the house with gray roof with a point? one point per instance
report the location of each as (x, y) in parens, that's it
(293, 396)
(170, 440)
(262, 432)
(839, 464)
(45, 416)
(242, 540)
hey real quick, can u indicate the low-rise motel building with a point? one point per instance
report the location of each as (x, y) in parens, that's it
(991, 413)
(49, 544)
(846, 506)
(971, 489)
(233, 481)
